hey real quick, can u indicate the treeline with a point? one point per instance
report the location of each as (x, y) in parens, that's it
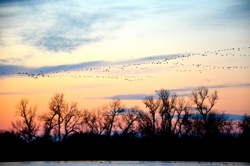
(172, 128)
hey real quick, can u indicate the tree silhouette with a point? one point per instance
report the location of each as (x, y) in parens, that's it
(114, 109)
(167, 111)
(217, 124)
(204, 102)
(172, 122)
(27, 126)
(129, 119)
(145, 126)
(8, 138)
(54, 117)
(93, 121)
(245, 126)
(49, 123)
(72, 119)
(153, 105)
(62, 118)
(183, 117)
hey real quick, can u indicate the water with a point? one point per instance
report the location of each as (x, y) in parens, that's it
(122, 163)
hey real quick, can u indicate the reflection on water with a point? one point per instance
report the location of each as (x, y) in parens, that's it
(122, 163)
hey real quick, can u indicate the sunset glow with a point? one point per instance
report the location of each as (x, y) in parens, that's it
(95, 51)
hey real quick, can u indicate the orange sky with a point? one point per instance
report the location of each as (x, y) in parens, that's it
(93, 52)
(92, 89)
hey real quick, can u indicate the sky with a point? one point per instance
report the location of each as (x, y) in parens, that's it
(93, 51)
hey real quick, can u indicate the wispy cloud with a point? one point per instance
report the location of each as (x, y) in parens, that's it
(187, 90)
(180, 91)
(20, 93)
(10, 60)
(82, 65)
(66, 32)
(234, 116)
(229, 85)
(62, 25)
(128, 96)
(47, 69)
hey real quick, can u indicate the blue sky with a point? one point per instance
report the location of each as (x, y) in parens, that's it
(73, 32)
(54, 27)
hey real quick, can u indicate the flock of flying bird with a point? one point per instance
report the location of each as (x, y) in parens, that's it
(142, 69)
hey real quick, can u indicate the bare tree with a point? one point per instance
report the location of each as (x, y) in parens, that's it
(167, 110)
(218, 124)
(93, 121)
(145, 126)
(183, 113)
(49, 123)
(204, 103)
(62, 118)
(129, 119)
(58, 106)
(114, 109)
(72, 119)
(26, 127)
(244, 126)
(153, 105)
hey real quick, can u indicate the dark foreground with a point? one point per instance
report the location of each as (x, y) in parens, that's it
(151, 149)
